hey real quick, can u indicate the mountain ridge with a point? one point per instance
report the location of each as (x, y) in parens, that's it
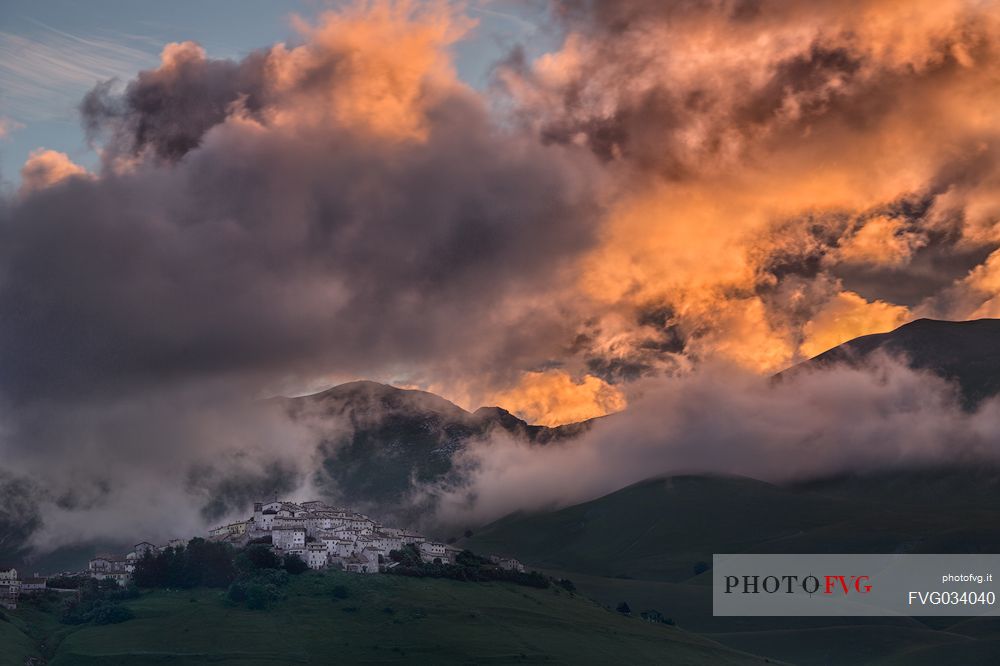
(383, 444)
(964, 352)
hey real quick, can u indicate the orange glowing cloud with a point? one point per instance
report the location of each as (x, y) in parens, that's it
(882, 241)
(390, 61)
(45, 168)
(756, 156)
(553, 398)
(847, 316)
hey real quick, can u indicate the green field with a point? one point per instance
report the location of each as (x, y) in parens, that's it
(384, 619)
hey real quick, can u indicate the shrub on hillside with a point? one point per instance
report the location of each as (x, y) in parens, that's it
(258, 588)
(276, 577)
(110, 613)
(260, 596)
(98, 611)
(567, 584)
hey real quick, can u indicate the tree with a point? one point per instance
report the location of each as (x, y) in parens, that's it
(259, 596)
(209, 564)
(150, 570)
(256, 556)
(624, 609)
(201, 563)
(470, 559)
(408, 555)
(294, 564)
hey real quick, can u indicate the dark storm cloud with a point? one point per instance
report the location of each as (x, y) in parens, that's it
(344, 207)
(686, 181)
(227, 493)
(169, 109)
(279, 251)
(19, 515)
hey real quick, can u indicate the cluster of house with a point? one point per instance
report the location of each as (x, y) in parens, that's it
(120, 568)
(322, 535)
(12, 587)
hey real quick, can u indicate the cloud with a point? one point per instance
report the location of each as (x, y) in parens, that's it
(848, 316)
(882, 241)
(45, 168)
(675, 186)
(552, 398)
(266, 232)
(340, 206)
(725, 422)
(774, 158)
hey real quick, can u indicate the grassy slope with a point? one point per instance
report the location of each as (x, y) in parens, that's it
(15, 645)
(432, 621)
(658, 529)
(653, 533)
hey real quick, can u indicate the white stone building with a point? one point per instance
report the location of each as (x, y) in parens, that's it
(33, 585)
(364, 562)
(433, 552)
(236, 529)
(508, 563)
(142, 548)
(288, 538)
(317, 556)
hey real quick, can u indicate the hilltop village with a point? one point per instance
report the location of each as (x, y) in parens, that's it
(323, 536)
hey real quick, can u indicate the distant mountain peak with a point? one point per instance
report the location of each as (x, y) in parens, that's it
(380, 442)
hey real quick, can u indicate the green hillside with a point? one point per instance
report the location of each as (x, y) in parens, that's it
(641, 545)
(16, 645)
(660, 528)
(383, 619)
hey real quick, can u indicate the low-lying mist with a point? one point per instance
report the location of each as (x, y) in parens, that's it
(719, 421)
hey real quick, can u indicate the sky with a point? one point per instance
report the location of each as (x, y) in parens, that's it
(561, 208)
(53, 52)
